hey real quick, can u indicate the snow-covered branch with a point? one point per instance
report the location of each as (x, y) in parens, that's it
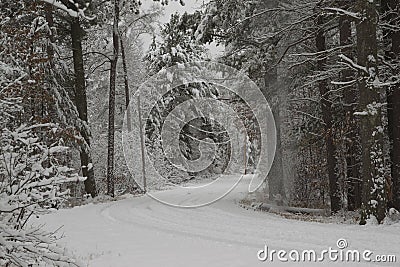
(342, 12)
(349, 62)
(63, 7)
(74, 10)
(30, 183)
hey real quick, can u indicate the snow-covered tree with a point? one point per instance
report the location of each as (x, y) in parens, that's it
(374, 166)
(391, 72)
(37, 119)
(177, 45)
(32, 175)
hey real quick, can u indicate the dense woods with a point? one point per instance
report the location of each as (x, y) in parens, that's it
(336, 81)
(69, 69)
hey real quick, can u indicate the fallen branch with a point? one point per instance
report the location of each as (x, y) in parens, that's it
(273, 207)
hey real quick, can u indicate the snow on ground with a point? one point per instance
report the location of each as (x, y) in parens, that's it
(139, 231)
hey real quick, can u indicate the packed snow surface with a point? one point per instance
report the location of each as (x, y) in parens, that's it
(139, 231)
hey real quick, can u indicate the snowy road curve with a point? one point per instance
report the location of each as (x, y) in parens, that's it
(139, 231)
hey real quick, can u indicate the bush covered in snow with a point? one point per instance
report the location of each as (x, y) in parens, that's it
(31, 177)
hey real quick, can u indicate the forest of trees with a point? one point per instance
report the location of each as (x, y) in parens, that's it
(330, 71)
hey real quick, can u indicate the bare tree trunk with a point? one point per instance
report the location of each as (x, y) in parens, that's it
(126, 83)
(49, 49)
(328, 120)
(350, 97)
(81, 105)
(393, 102)
(373, 164)
(111, 103)
(275, 175)
(50, 24)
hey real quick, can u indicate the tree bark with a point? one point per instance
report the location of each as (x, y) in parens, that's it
(328, 120)
(81, 105)
(275, 175)
(353, 180)
(126, 84)
(373, 173)
(111, 103)
(50, 24)
(393, 102)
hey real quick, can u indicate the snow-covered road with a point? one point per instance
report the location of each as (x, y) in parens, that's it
(138, 231)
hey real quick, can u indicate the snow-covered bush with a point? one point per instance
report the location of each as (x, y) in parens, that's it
(31, 177)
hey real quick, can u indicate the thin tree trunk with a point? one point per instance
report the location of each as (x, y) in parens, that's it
(373, 168)
(126, 83)
(350, 98)
(111, 103)
(393, 100)
(50, 24)
(81, 105)
(328, 120)
(49, 49)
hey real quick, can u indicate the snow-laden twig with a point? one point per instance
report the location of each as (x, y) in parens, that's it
(323, 52)
(342, 12)
(344, 83)
(349, 62)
